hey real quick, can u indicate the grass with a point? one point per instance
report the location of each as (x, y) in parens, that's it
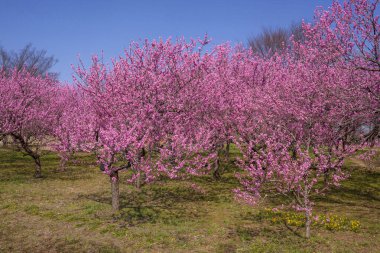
(70, 212)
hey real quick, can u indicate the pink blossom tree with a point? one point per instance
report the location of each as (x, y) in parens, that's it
(143, 112)
(26, 112)
(72, 123)
(310, 113)
(297, 148)
(348, 36)
(221, 95)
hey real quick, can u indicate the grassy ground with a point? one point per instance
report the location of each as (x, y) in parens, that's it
(70, 212)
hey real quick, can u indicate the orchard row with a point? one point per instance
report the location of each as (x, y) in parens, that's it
(172, 108)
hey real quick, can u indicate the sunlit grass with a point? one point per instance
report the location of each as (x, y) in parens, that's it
(70, 212)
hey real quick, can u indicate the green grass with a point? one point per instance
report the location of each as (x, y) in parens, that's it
(70, 212)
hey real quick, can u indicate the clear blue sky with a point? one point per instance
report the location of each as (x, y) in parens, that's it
(69, 28)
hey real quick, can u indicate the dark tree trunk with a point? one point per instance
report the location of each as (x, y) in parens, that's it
(29, 151)
(216, 171)
(37, 172)
(115, 191)
(228, 152)
(326, 177)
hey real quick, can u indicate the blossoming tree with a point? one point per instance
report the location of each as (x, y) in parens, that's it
(311, 112)
(142, 112)
(26, 112)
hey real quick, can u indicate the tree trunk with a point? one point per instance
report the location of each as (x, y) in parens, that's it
(139, 181)
(307, 213)
(140, 178)
(62, 165)
(37, 172)
(216, 171)
(228, 152)
(308, 224)
(28, 150)
(115, 190)
(325, 177)
(4, 140)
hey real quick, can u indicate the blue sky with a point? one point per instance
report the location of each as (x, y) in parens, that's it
(69, 28)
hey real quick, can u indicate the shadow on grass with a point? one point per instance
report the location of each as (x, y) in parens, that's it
(17, 167)
(169, 204)
(361, 189)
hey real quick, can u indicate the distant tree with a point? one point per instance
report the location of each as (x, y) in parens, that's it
(35, 61)
(275, 40)
(269, 41)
